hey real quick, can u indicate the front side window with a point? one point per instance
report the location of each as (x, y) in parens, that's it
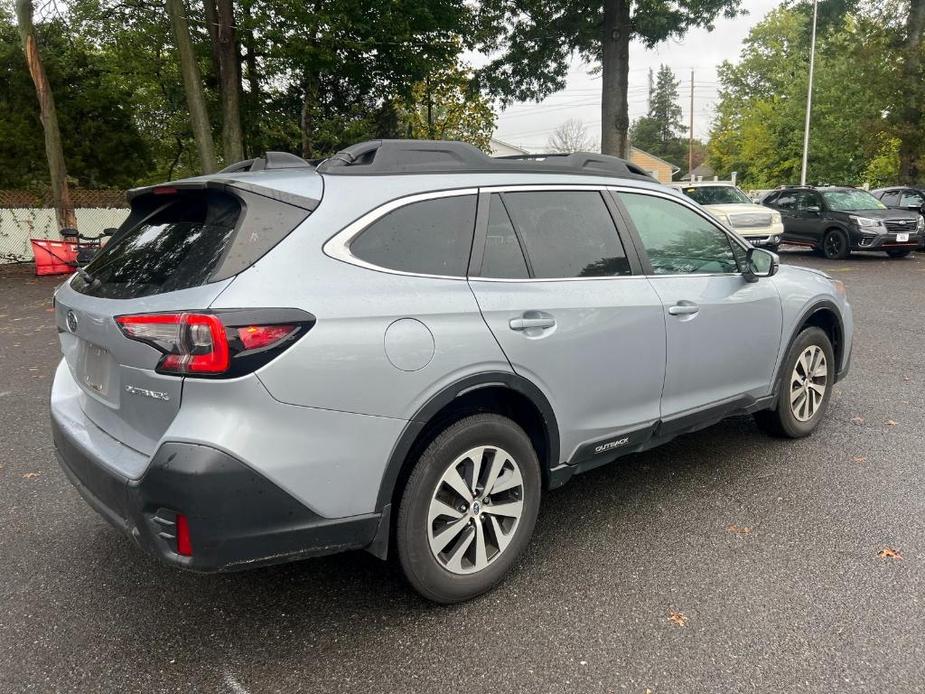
(677, 240)
(567, 233)
(785, 201)
(911, 199)
(430, 237)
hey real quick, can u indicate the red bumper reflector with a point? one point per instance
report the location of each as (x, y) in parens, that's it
(184, 546)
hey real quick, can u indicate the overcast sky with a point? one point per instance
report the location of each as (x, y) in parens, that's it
(530, 124)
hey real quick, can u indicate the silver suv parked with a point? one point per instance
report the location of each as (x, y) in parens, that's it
(400, 349)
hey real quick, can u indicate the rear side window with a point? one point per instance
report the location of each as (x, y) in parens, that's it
(185, 240)
(430, 237)
(567, 234)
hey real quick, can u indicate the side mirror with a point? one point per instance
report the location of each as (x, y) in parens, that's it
(814, 209)
(760, 263)
(69, 233)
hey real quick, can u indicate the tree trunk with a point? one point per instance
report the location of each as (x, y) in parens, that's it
(64, 210)
(615, 50)
(192, 85)
(250, 102)
(230, 82)
(910, 145)
(306, 124)
(211, 15)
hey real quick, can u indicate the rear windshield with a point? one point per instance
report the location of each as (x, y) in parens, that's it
(184, 241)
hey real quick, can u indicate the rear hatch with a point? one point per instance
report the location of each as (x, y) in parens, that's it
(179, 248)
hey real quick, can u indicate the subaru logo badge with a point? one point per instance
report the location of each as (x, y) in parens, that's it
(71, 320)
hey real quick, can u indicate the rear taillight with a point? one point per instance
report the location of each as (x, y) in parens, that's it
(222, 343)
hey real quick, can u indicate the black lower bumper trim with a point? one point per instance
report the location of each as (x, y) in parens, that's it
(237, 517)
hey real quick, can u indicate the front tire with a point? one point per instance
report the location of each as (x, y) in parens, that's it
(804, 388)
(468, 509)
(835, 245)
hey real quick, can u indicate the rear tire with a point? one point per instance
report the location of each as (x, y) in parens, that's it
(468, 509)
(803, 389)
(835, 245)
(898, 252)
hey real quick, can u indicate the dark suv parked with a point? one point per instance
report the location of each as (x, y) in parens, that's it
(902, 198)
(837, 220)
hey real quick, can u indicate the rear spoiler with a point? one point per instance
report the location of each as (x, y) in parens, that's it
(228, 185)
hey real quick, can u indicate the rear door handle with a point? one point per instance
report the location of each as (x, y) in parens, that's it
(526, 323)
(683, 309)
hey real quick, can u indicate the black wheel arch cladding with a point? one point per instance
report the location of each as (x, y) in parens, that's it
(421, 427)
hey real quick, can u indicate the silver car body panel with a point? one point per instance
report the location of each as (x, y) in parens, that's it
(323, 418)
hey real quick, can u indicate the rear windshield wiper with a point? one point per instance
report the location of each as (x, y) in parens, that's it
(86, 276)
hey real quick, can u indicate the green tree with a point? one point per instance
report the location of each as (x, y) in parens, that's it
(446, 105)
(659, 132)
(535, 40)
(664, 108)
(100, 139)
(758, 128)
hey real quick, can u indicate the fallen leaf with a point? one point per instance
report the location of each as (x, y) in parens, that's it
(889, 553)
(859, 459)
(736, 529)
(678, 618)
(31, 475)
(857, 420)
(890, 423)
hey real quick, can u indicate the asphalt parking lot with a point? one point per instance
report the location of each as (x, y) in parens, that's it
(723, 562)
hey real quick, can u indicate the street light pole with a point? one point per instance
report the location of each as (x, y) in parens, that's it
(809, 95)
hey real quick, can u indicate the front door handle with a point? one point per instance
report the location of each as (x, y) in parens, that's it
(527, 323)
(683, 309)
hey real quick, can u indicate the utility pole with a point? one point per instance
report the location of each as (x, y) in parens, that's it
(690, 138)
(809, 96)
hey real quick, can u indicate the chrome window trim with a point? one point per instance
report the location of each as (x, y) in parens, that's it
(338, 246)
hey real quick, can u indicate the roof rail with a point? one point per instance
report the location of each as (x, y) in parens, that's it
(385, 157)
(270, 160)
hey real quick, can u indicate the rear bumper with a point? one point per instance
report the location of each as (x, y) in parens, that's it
(237, 518)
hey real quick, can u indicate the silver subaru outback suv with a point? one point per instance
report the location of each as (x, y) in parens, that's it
(400, 348)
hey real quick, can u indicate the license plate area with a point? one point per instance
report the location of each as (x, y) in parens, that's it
(902, 238)
(95, 371)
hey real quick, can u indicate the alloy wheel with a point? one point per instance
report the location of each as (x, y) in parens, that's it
(833, 245)
(475, 509)
(808, 383)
